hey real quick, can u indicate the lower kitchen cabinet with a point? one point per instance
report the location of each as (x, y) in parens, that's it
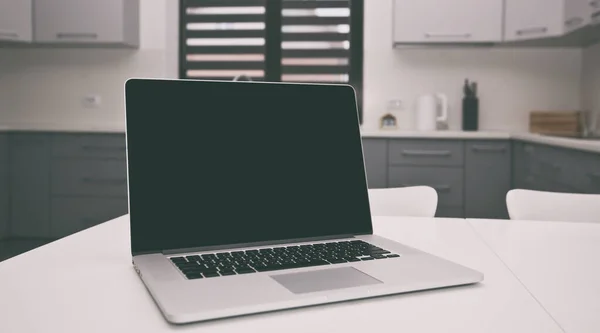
(375, 156)
(29, 185)
(73, 214)
(62, 183)
(487, 178)
(4, 195)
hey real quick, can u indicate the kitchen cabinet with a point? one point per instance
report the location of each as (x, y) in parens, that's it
(87, 22)
(29, 185)
(577, 14)
(4, 195)
(594, 11)
(375, 156)
(16, 20)
(488, 178)
(442, 21)
(536, 19)
(89, 181)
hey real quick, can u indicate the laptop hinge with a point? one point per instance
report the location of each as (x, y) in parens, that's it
(255, 244)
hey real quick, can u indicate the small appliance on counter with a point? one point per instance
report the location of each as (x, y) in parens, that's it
(432, 110)
(470, 107)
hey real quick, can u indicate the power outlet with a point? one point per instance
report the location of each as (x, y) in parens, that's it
(91, 101)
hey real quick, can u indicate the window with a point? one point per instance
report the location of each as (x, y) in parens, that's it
(273, 40)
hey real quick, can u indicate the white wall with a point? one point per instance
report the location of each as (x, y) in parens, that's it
(45, 86)
(512, 82)
(590, 93)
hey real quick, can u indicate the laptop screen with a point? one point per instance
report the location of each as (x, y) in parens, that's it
(223, 163)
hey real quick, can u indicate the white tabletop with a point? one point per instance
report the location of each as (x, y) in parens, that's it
(558, 262)
(86, 283)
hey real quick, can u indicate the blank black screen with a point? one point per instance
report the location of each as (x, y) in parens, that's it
(219, 163)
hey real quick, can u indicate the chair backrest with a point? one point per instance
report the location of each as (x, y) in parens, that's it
(417, 201)
(551, 206)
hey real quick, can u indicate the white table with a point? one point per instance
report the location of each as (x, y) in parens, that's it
(85, 283)
(558, 262)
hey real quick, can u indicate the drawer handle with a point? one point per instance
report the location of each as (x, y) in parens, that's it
(107, 181)
(575, 21)
(103, 148)
(490, 149)
(595, 3)
(551, 166)
(465, 35)
(9, 34)
(439, 188)
(426, 152)
(530, 31)
(76, 35)
(529, 149)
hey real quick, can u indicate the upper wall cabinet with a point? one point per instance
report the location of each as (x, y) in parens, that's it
(90, 22)
(443, 21)
(15, 20)
(594, 9)
(535, 19)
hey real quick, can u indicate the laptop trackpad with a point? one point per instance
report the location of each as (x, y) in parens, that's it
(324, 279)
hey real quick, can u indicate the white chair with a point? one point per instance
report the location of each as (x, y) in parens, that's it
(416, 201)
(551, 206)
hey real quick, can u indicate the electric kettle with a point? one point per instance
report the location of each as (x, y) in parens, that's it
(431, 110)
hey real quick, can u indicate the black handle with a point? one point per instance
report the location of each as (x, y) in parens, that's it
(426, 152)
(529, 31)
(574, 21)
(488, 149)
(9, 34)
(76, 35)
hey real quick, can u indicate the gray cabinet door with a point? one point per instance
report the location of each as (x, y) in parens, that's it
(73, 214)
(30, 185)
(375, 155)
(447, 181)
(86, 22)
(487, 178)
(4, 230)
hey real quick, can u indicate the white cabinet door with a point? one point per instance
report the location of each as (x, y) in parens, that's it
(443, 21)
(15, 20)
(83, 21)
(577, 14)
(594, 11)
(534, 19)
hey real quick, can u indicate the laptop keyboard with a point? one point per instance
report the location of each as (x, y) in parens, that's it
(278, 258)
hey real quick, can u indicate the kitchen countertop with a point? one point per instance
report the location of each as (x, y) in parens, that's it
(579, 144)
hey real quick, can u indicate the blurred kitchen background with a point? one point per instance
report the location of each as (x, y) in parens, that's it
(472, 97)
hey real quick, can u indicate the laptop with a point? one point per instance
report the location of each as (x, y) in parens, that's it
(248, 197)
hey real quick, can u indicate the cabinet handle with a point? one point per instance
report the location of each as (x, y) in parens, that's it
(575, 21)
(107, 181)
(426, 152)
(76, 35)
(553, 167)
(103, 148)
(490, 149)
(9, 34)
(465, 35)
(529, 149)
(595, 3)
(529, 31)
